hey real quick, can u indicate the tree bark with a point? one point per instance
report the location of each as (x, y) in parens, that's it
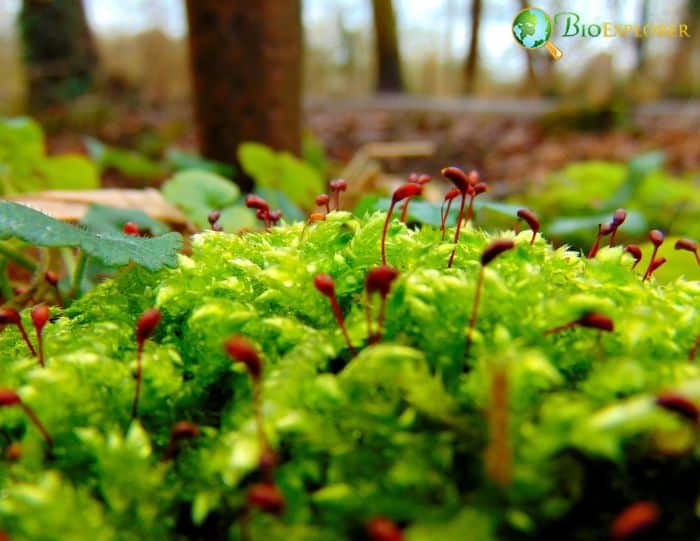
(386, 41)
(472, 64)
(246, 75)
(58, 50)
(531, 83)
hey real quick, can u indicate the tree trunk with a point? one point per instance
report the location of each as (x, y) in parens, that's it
(246, 75)
(58, 50)
(640, 44)
(387, 47)
(472, 64)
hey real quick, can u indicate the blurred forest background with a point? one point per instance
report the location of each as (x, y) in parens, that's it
(153, 75)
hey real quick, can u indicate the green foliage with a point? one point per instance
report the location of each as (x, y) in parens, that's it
(280, 171)
(132, 164)
(197, 193)
(574, 200)
(400, 430)
(112, 249)
(24, 166)
(102, 219)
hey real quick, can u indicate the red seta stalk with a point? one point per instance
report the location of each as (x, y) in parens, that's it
(619, 218)
(145, 327)
(10, 316)
(657, 239)
(679, 404)
(379, 280)
(532, 221)
(491, 252)
(694, 350)
(40, 316)
(326, 286)
(444, 213)
(9, 398)
(467, 185)
(402, 192)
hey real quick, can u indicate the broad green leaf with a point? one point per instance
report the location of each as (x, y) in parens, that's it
(128, 162)
(281, 171)
(69, 172)
(182, 161)
(113, 249)
(103, 219)
(199, 192)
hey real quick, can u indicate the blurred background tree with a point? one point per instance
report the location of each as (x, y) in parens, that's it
(388, 57)
(58, 50)
(246, 75)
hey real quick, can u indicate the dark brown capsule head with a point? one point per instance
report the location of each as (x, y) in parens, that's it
(9, 398)
(217, 227)
(379, 280)
(687, 244)
(40, 316)
(339, 185)
(317, 217)
(14, 453)
(458, 177)
(636, 520)
(635, 251)
(496, 248)
(383, 529)
(325, 284)
(677, 403)
(454, 192)
(253, 201)
(242, 351)
(213, 217)
(423, 179)
(51, 277)
(266, 497)
(656, 237)
(131, 229)
(530, 218)
(480, 188)
(274, 216)
(9, 316)
(619, 217)
(322, 200)
(147, 324)
(406, 190)
(605, 230)
(184, 430)
(595, 320)
(262, 214)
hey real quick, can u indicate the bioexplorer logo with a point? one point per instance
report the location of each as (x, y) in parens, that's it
(533, 28)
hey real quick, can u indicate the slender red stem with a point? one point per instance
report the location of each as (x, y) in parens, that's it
(560, 328)
(135, 405)
(470, 210)
(33, 417)
(459, 228)
(26, 338)
(649, 270)
(341, 323)
(694, 351)
(386, 227)
(444, 218)
(404, 209)
(475, 310)
(596, 245)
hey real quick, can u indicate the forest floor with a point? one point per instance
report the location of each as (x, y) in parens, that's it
(507, 140)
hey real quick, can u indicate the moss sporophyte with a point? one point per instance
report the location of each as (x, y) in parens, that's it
(295, 387)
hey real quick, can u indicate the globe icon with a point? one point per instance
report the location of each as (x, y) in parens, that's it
(532, 29)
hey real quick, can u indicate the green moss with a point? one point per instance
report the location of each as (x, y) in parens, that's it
(399, 430)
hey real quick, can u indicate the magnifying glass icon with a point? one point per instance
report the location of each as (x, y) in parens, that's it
(532, 29)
